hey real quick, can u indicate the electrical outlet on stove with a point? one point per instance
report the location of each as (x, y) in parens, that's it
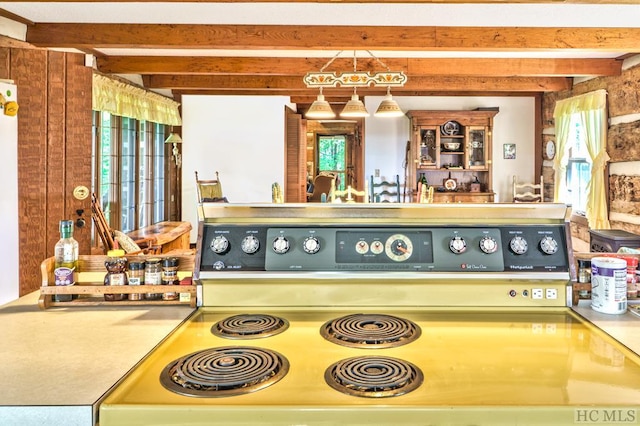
(551, 293)
(537, 293)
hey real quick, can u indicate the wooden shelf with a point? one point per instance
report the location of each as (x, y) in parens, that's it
(90, 289)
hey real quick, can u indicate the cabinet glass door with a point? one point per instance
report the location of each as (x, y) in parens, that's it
(476, 148)
(427, 148)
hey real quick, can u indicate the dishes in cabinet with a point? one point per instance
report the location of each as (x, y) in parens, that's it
(450, 128)
(451, 146)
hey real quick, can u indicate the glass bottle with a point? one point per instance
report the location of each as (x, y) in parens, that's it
(136, 277)
(170, 276)
(116, 265)
(153, 276)
(66, 260)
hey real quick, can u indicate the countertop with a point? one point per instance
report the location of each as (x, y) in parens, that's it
(58, 363)
(625, 328)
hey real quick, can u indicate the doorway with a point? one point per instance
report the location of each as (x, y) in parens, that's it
(336, 146)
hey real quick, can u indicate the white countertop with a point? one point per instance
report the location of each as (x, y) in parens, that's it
(58, 363)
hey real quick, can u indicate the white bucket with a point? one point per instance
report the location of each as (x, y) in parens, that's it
(609, 285)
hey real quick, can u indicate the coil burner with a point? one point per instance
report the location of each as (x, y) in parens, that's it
(248, 326)
(370, 331)
(373, 376)
(224, 371)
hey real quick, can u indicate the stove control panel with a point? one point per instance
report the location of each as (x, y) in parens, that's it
(340, 248)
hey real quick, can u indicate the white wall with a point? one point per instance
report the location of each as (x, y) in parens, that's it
(242, 137)
(9, 260)
(386, 138)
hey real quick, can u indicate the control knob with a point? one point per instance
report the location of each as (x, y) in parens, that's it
(311, 245)
(548, 245)
(220, 244)
(457, 245)
(488, 245)
(250, 244)
(218, 265)
(518, 245)
(281, 245)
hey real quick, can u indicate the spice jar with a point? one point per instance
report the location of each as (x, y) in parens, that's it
(116, 265)
(136, 277)
(584, 276)
(153, 276)
(170, 276)
(632, 265)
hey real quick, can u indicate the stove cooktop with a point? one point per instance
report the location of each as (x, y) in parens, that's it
(530, 367)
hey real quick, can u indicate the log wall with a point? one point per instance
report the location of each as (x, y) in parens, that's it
(623, 145)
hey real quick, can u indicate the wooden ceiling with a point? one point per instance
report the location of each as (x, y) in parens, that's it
(282, 74)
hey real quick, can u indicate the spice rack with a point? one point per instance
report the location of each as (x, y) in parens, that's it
(90, 289)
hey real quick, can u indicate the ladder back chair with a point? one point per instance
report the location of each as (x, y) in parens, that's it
(209, 190)
(527, 192)
(385, 191)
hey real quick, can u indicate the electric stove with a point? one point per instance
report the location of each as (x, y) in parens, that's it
(381, 315)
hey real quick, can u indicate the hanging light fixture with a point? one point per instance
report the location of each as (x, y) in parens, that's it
(354, 108)
(175, 139)
(388, 107)
(320, 109)
(355, 79)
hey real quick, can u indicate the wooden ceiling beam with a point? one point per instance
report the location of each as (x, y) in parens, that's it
(503, 67)
(75, 35)
(431, 83)
(374, 1)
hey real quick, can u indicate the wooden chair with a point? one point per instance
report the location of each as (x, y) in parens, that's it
(209, 190)
(322, 184)
(109, 237)
(528, 192)
(349, 194)
(385, 191)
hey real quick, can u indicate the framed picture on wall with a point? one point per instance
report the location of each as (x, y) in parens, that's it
(509, 151)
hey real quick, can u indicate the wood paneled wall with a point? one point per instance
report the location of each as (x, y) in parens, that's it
(623, 143)
(54, 149)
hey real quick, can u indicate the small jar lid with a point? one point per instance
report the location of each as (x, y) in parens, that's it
(136, 264)
(170, 261)
(115, 253)
(153, 260)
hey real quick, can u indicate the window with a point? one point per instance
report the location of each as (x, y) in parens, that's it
(129, 170)
(578, 168)
(332, 155)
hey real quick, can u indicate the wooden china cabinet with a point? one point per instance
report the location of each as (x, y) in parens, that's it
(453, 150)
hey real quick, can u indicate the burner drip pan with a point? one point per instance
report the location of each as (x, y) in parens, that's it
(249, 326)
(373, 331)
(224, 371)
(373, 376)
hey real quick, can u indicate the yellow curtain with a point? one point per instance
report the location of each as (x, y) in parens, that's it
(591, 110)
(125, 100)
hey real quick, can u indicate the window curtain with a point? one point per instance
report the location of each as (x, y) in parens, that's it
(591, 110)
(125, 100)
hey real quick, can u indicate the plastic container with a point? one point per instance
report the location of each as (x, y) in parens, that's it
(632, 266)
(609, 285)
(116, 265)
